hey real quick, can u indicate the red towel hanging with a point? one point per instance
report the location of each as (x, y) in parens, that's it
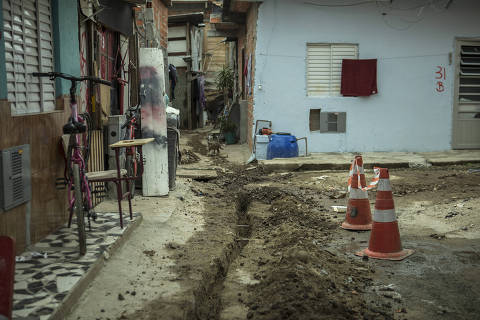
(359, 77)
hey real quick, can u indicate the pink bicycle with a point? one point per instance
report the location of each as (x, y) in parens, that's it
(79, 193)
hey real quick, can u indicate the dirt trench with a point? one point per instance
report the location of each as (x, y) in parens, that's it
(278, 264)
(203, 263)
(207, 297)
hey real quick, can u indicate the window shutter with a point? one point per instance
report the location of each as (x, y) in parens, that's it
(323, 121)
(28, 48)
(46, 61)
(318, 69)
(469, 91)
(340, 52)
(324, 67)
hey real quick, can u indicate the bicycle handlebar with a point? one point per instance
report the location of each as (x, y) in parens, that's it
(53, 75)
(135, 110)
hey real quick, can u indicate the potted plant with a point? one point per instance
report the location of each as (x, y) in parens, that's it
(228, 128)
(225, 82)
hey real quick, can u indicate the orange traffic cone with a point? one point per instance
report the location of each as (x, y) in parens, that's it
(385, 237)
(358, 215)
(350, 173)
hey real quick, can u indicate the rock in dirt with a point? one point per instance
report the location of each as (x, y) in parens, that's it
(451, 214)
(149, 253)
(171, 246)
(188, 157)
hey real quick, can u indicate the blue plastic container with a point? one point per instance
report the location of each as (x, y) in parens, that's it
(282, 146)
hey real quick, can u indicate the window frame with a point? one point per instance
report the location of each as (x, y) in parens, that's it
(308, 72)
(323, 123)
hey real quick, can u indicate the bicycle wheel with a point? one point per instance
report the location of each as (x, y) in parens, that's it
(82, 240)
(131, 172)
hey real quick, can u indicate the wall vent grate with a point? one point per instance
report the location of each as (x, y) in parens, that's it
(15, 180)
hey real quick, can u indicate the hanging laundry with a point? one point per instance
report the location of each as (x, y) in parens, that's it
(172, 75)
(359, 77)
(201, 80)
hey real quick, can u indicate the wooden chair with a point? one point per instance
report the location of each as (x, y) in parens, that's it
(118, 175)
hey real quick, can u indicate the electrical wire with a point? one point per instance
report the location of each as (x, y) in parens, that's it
(340, 5)
(389, 24)
(386, 11)
(418, 6)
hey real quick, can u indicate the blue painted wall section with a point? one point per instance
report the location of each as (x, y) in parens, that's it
(3, 71)
(408, 113)
(65, 38)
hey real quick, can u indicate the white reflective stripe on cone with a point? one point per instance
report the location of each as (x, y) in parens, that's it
(384, 215)
(360, 169)
(384, 185)
(358, 194)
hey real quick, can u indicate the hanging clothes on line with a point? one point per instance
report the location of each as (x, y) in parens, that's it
(359, 77)
(201, 89)
(247, 72)
(172, 75)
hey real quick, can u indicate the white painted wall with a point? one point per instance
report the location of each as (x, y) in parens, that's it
(177, 46)
(407, 114)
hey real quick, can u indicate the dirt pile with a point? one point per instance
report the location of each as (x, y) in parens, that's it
(198, 143)
(299, 277)
(188, 157)
(311, 284)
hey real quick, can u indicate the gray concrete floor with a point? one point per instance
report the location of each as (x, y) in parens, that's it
(333, 160)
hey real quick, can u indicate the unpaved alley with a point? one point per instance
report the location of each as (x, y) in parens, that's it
(247, 244)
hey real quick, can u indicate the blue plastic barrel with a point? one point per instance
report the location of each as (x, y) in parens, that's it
(282, 146)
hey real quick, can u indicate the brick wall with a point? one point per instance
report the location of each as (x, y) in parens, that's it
(161, 22)
(250, 43)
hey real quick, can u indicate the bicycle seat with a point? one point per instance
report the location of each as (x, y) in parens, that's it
(69, 127)
(72, 127)
(81, 127)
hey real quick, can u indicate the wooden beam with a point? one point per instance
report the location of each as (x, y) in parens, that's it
(176, 54)
(222, 33)
(226, 26)
(177, 38)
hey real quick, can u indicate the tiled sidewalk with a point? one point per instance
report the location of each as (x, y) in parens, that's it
(43, 283)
